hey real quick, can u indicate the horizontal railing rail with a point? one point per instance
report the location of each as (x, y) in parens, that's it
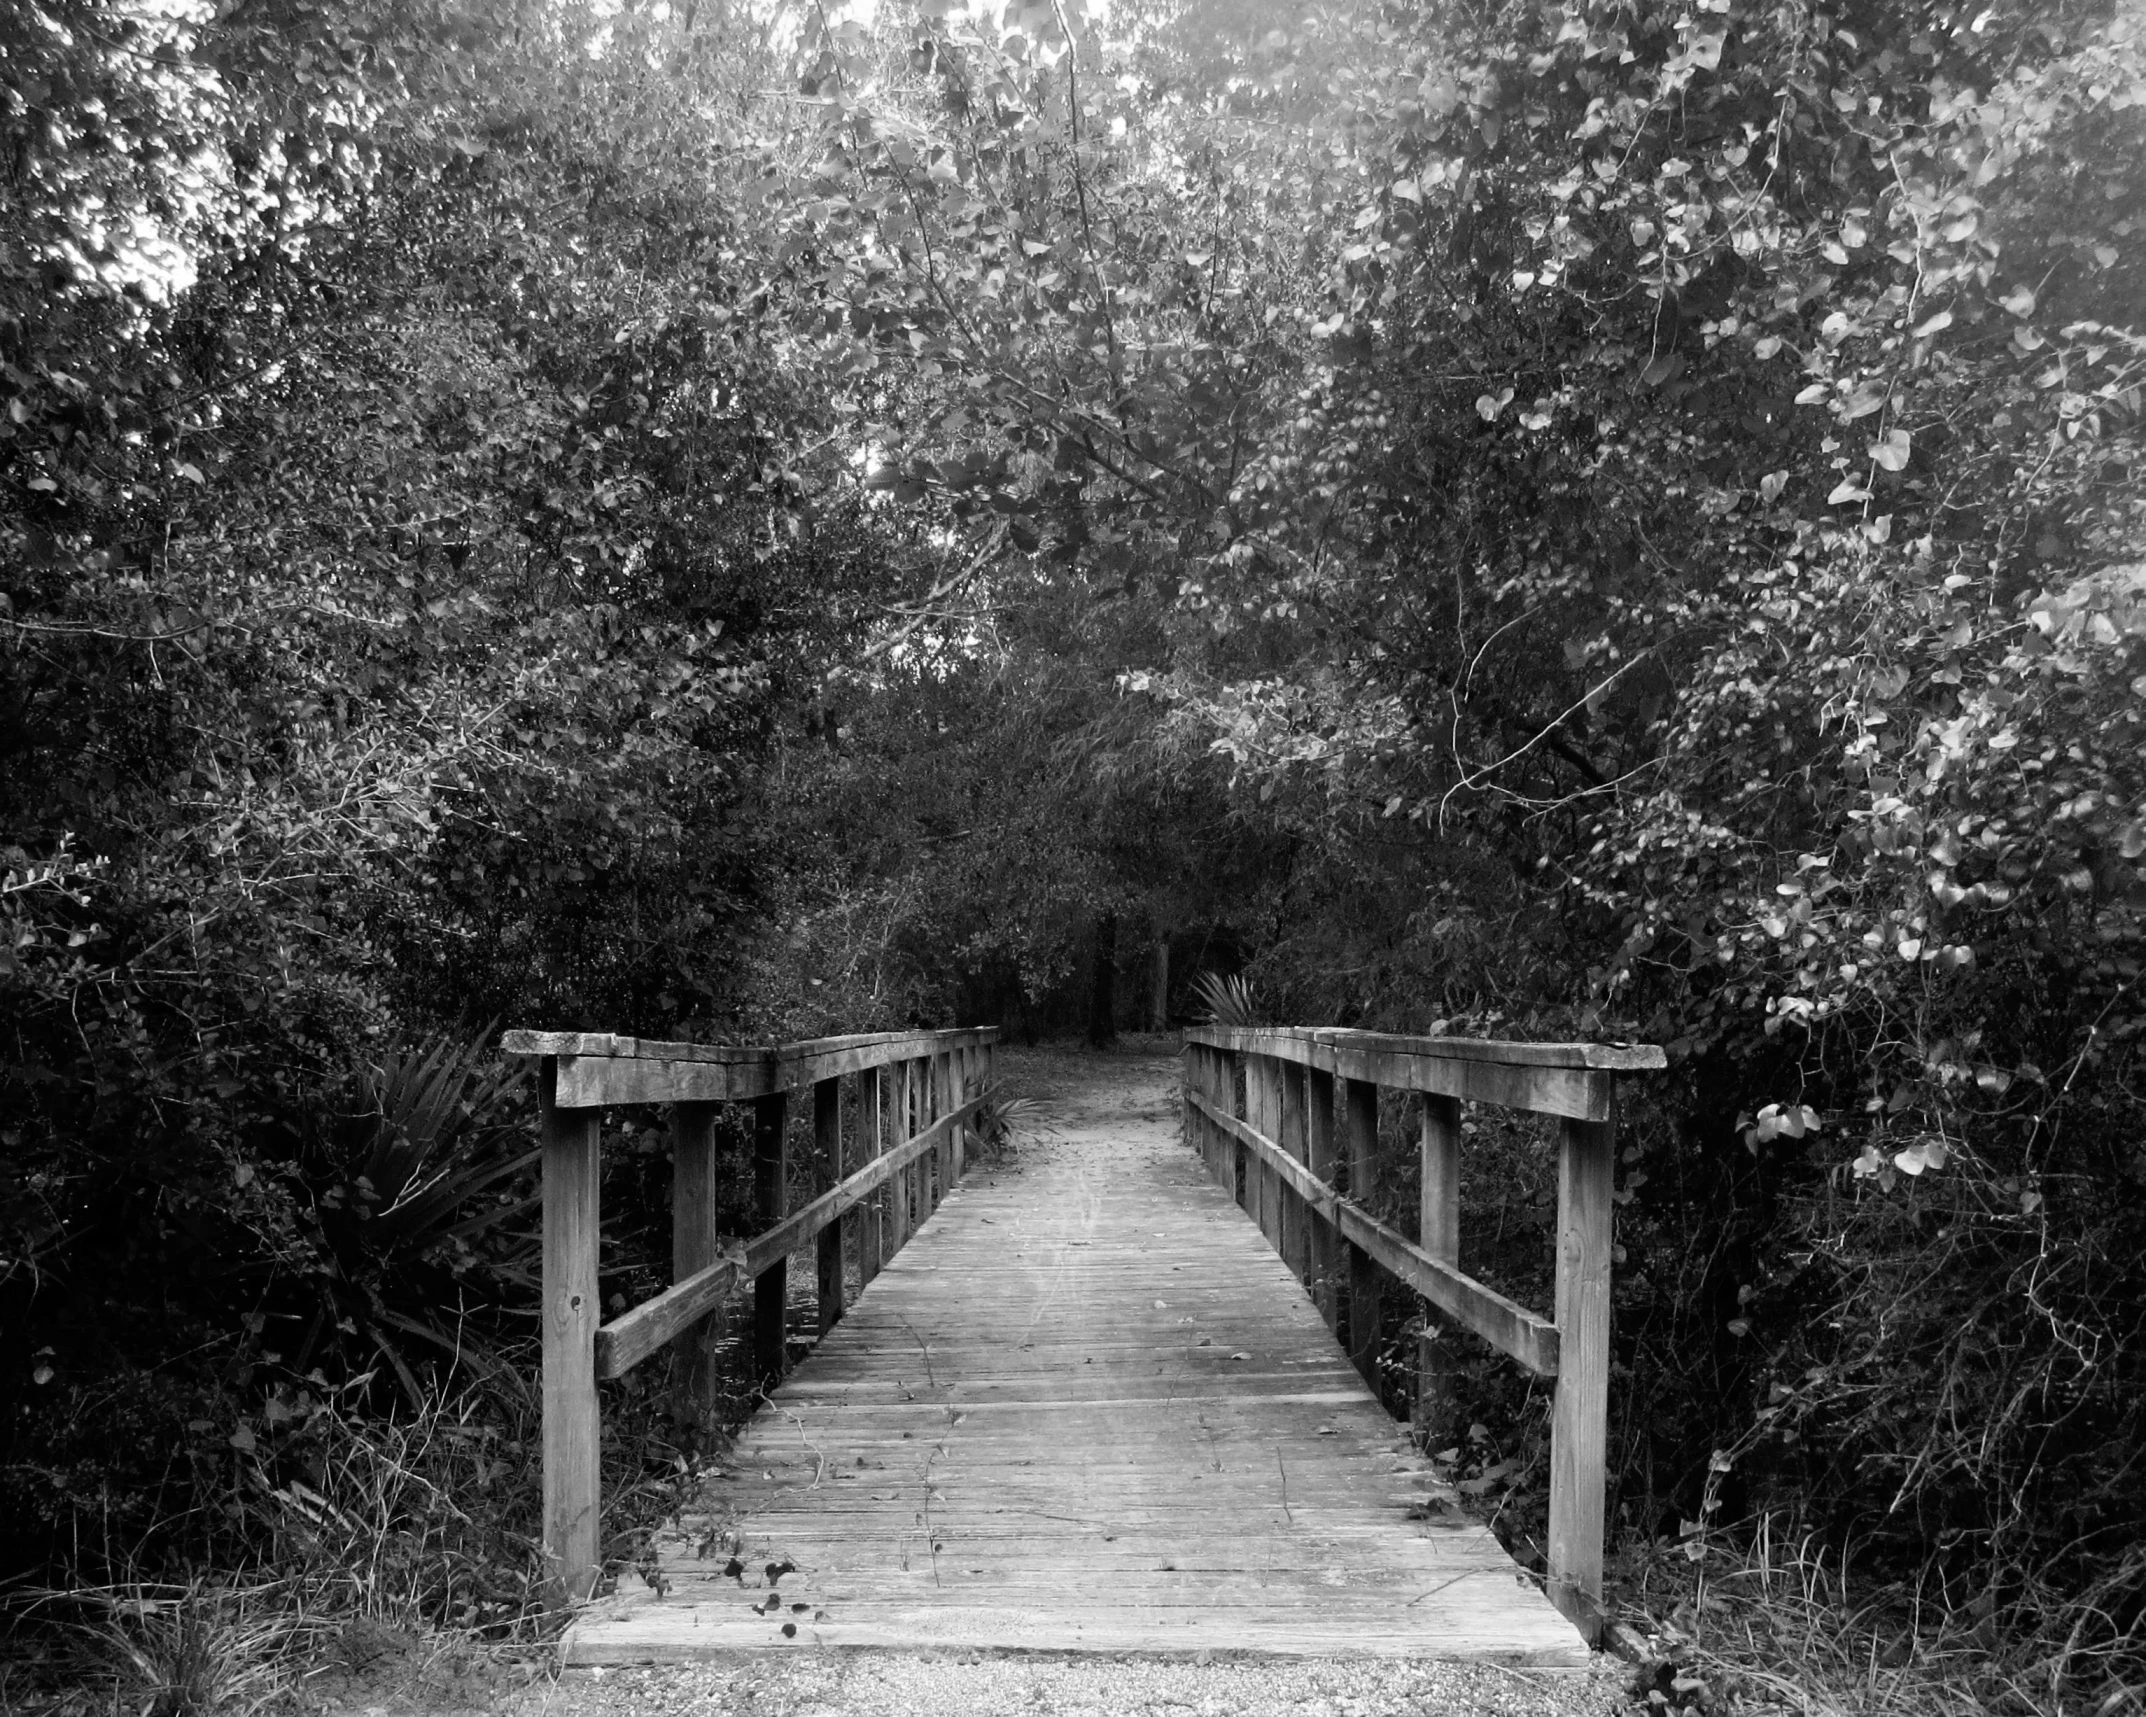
(1287, 1119)
(885, 1154)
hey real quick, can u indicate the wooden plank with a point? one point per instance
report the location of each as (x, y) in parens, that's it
(832, 1171)
(1325, 1243)
(1024, 1437)
(1438, 1231)
(564, 1043)
(634, 1335)
(1296, 1220)
(572, 1471)
(1509, 1328)
(872, 1212)
(1296, 1043)
(695, 1197)
(598, 1070)
(771, 1192)
(1579, 1416)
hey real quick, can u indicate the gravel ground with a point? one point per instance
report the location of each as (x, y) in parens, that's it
(902, 1684)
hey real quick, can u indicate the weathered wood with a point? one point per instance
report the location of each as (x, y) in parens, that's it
(1325, 1245)
(1263, 1110)
(694, 1205)
(902, 1187)
(1293, 1137)
(832, 1171)
(1360, 1132)
(1580, 1413)
(1008, 1445)
(1547, 1079)
(572, 1471)
(1438, 1229)
(1298, 1042)
(872, 1212)
(771, 1194)
(634, 1335)
(1511, 1329)
(599, 1070)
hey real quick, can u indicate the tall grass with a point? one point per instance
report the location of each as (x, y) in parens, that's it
(1773, 1618)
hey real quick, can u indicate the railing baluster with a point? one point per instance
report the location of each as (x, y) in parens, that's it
(572, 1148)
(1360, 1128)
(694, 1196)
(1320, 1141)
(828, 1160)
(1586, 1162)
(872, 1213)
(1295, 1217)
(1438, 1231)
(771, 1196)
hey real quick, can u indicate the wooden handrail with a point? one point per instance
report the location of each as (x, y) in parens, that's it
(916, 1093)
(1510, 1328)
(1274, 1148)
(633, 1335)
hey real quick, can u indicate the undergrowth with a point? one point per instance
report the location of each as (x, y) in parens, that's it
(1771, 1618)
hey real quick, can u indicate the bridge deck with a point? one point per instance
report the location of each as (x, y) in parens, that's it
(1086, 1409)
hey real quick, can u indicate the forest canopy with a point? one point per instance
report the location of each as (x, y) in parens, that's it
(703, 520)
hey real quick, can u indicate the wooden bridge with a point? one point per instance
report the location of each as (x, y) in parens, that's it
(1081, 1404)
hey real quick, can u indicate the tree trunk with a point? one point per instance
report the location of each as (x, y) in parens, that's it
(1159, 1008)
(1102, 1015)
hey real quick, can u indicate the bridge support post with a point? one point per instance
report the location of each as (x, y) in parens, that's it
(1438, 1225)
(572, 1472)
(1360, 1132)
(872, 1213)
(693, 1238)
(771, 1201)
(1579, 1420)
(1290, 1134)
(832, 1167)
(1325, 1290)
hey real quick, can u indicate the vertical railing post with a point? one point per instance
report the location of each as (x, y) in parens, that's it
(573, 1480)
(771, 1199)
(1263, 1075)
(1243, 1185)
(831, 1167)
(901, 1185)
(1295, 1214)
(1325, 1289)
(942, 1104)
(1438, 1232)
(693, 1246)
(1360, 1131)
(1579, 1419)
(871, 1141)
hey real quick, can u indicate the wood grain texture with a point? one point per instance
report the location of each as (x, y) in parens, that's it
(1510, 1328)
(597, 1069)
(1087, 1409)
(771, 1191)
(572, 1472)
(1570, 1079)
(633, 1335)
(1295, 1041)
(1359, 1104)
(1438, 1226)
(1579, 1414)
(829, 1173)
(694, 1203)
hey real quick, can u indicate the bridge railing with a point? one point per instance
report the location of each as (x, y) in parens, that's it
(883, 1160)
(1287, 1119)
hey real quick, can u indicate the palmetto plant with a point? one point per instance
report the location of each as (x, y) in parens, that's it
(409, 1187)
(1229, 1001)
